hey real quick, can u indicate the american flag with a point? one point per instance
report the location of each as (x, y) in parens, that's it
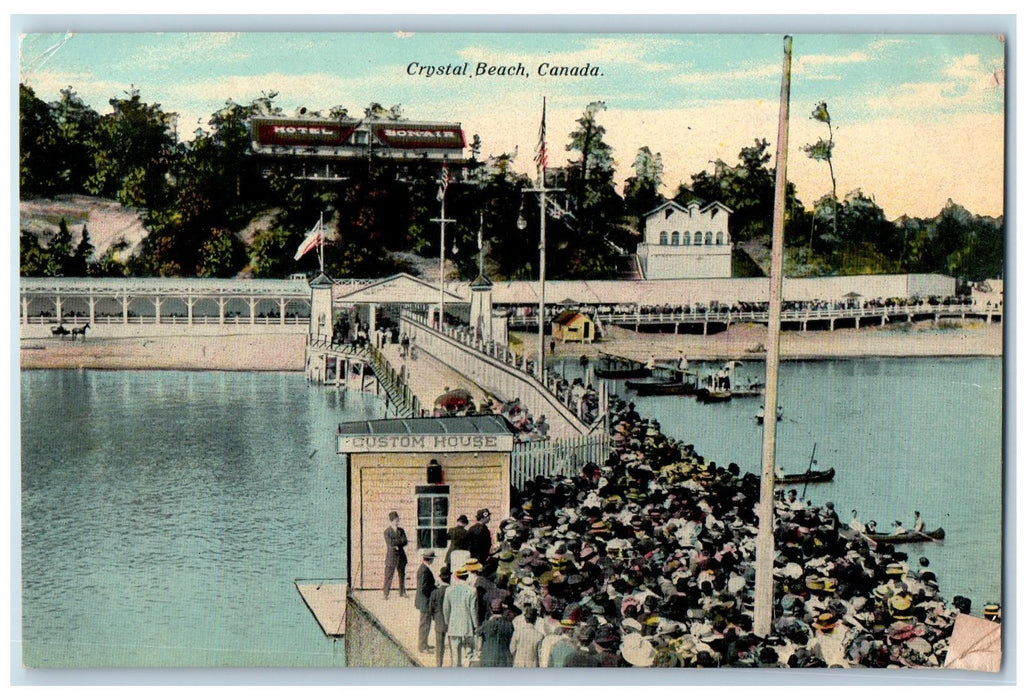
(443, 181)
(541, 154)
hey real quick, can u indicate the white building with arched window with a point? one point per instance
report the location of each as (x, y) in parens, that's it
(686, 242)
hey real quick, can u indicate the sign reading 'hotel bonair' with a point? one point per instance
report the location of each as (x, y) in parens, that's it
(353, 444)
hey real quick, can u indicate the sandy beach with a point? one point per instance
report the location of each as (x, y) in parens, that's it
(275, 350)
(250, 351)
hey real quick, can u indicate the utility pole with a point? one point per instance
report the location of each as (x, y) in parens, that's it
(764, 597)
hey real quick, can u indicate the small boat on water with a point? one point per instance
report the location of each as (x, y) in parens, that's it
(709, 395)
(807, 477)
(907, 537)
(662, 387)
(753, 389)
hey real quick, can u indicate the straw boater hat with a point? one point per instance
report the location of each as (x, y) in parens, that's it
(826, 621)
(472, 565)
(428, 554)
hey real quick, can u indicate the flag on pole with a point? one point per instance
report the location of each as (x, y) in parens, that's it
(481, 224)
(312, 241)
(443, 181)
(541, 154)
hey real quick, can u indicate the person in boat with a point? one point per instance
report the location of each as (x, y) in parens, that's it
(682, 362)
(855, 525)
(830, 517)
(651, 362)
(918, 526)
(897, 528)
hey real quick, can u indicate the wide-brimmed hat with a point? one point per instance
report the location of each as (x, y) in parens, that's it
(637, 651)
(461, 573)
(472, 565)
(427, 554)
(506, 555)
(826, 621)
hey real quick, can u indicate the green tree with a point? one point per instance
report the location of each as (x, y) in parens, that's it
(133, 149)
(221, 255)
(79, 263)
(272, 251)
(823, 150)
(32, 256)
(58, 253)
(642, 190)
(39, 147)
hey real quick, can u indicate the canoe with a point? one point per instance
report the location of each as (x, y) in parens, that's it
(809, 477)
(926, 536)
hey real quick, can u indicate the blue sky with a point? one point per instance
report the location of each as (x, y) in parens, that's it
(919, 118)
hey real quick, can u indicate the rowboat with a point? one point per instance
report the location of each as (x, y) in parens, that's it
(905, 537)
(762, 412)
(621, 368)
(808, 477)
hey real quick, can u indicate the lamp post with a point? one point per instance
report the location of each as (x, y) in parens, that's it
(522, 224)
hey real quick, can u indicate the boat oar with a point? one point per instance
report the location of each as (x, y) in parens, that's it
(809, 469)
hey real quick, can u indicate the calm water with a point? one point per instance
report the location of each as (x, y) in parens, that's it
(166, 515)
(901, 434)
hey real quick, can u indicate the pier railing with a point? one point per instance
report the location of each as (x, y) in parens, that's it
(498, 369)
(399, 398)
(556, 457)
(702, 316)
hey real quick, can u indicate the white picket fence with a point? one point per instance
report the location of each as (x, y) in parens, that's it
(556, 457)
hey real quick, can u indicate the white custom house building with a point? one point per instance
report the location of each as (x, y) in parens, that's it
(686, 242)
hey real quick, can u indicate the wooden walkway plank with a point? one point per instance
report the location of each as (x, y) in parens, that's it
(326, 600)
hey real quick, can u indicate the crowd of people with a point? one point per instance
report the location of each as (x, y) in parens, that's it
(649, 560)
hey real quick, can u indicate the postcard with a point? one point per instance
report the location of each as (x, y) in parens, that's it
(469, 349)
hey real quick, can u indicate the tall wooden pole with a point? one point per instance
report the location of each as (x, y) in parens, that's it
(764, 596)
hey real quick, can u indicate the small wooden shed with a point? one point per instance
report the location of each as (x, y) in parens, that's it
(573, 326)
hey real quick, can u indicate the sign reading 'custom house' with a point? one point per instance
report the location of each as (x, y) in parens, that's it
(457, 434)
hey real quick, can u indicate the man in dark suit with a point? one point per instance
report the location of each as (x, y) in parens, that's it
(395, 555)
(425, 587)
(438, 614)
(457, 538)
(479, 539)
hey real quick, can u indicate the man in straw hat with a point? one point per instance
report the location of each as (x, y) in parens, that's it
(425, 587)
(828, 644)
(461, 615)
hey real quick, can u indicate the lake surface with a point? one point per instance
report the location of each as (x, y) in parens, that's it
(166, 515)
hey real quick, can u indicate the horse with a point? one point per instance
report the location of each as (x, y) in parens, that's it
(59, 331)
(79, 331)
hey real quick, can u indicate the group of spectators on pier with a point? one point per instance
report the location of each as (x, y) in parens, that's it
(649, 560)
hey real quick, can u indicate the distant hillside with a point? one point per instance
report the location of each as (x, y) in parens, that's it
(108, 222)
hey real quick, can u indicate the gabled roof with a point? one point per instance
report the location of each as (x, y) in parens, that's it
(565, 317)
(684, 209)
(401, 288)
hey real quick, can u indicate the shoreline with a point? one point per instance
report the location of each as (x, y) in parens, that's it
(271, 351)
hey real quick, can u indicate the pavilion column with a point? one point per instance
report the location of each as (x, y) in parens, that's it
(124, 309)
(157, 301)
(253, 311)
(24, 309)
(281, 310)
(58, 308)
(189, 302)
(221, 311)
(92, 310)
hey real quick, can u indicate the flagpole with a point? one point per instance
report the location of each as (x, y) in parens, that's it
(442, 220)
(321, 239)
(763, 609)
(541, 160)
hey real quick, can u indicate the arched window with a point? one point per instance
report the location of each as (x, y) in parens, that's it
(686, 239)
(663, 238)
(697, 240)
(720, 238)
(709, 238)
(674, 238)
